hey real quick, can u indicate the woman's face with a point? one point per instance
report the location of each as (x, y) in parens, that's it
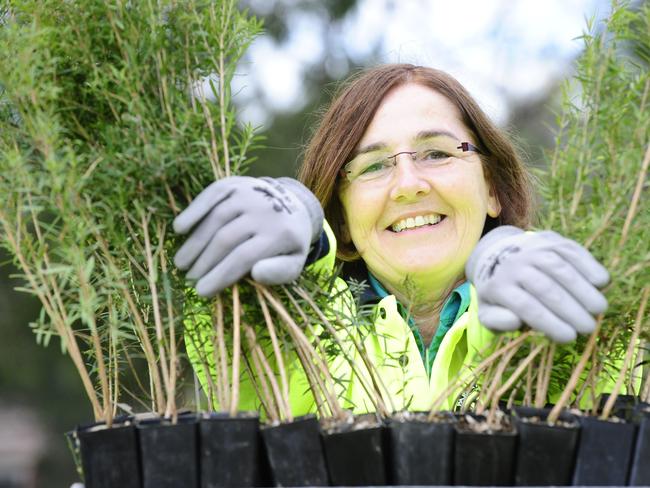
(416, 221)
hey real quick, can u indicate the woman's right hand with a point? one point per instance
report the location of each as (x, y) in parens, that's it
(241, 225)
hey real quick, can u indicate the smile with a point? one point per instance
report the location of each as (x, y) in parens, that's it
(415, 222)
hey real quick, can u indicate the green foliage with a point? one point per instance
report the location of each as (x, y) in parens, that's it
(596, 185)
(595, 191)
(105, 135)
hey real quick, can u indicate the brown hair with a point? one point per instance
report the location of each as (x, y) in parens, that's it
(353, 108)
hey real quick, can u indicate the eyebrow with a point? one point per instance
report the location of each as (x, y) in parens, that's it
(425, 134)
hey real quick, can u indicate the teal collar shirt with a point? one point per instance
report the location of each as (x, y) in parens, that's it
(456, 305)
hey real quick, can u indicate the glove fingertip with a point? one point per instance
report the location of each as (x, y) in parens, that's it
(208, 289)
(599, 306)
(278, 270)
(562, 336)
(181, 261)
(600, 277)
(180, 225)
(498, 318)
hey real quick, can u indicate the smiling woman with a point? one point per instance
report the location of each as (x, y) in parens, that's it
(346, 129)
(455, 196)
(422, 192)
(380, 209)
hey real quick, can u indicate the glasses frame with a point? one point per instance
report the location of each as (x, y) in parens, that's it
(464, 146)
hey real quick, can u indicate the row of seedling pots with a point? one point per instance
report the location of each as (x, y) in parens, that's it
(212, 450)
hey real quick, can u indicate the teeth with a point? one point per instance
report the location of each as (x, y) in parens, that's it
(419, 221)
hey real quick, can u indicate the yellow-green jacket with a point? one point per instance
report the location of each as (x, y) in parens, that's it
(412, 376)
(395, 349)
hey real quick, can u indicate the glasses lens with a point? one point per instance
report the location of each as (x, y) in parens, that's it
(440, 151)
(429, 153)
(368, 167)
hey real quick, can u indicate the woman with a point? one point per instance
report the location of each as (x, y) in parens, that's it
(410, 174)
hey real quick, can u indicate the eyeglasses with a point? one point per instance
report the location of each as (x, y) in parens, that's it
(374, 165)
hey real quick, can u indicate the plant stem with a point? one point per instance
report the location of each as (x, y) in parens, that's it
(515, 376)
(236, 350)
(544, 377)
(575, 376)
(374, 395)
(496, 380)
(85, 298)
(225, 18)
(528, 393)
(263, 368)
(220, 359)
(329, 389)
(475, 372)
(170, 410)
(160, 338)
(609, 405)
(276, 347)
(260, 385)
(643, 174)
(41, 291)
(309, 353)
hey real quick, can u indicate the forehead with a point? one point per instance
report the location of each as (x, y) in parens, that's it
(410, 109)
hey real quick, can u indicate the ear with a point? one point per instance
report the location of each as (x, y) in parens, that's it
(493, 204)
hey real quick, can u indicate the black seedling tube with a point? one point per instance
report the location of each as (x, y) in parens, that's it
(109, 457)
(604, 452)
(640, 470)
(295, 453)
(545, 453)
(484, 458)
(421, 452)
(356, 457)
(624, 406)
(230, 450)
(169, 453)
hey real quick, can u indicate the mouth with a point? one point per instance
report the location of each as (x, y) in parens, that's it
(420, 221)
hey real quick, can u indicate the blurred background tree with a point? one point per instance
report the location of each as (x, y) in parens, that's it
(511, 55)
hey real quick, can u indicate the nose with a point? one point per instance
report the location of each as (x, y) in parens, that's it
(408, 182)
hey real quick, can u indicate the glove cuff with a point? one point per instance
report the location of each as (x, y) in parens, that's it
(311, 203)
(486, 242)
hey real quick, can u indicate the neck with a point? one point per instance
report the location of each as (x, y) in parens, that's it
(424, 304)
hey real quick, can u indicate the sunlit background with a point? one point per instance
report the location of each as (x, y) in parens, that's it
(512, 55)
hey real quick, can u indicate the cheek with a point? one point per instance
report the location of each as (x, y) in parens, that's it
(361, 211)
(469, 190)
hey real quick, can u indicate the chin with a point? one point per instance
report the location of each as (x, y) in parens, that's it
(425, 267)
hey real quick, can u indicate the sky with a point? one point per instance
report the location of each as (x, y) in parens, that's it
(503, 51)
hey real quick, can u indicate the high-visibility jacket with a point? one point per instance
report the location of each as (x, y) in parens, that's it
(408, 380)
(392, 348)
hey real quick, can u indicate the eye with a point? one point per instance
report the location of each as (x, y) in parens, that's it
(433, 155)
(374, 167)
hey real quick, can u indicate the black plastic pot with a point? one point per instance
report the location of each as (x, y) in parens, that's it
(109, 457)
(545, 453)
(355, 455)
(295, 453)
(640, 470)
(229, 450)
(604, 452)
(483, 458)
(421, 452)
(624, 405)
(168, 453)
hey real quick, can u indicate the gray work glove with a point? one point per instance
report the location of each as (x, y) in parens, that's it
(241, 225)
(540, 279)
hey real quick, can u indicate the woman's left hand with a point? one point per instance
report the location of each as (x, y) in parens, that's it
(540, 279)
